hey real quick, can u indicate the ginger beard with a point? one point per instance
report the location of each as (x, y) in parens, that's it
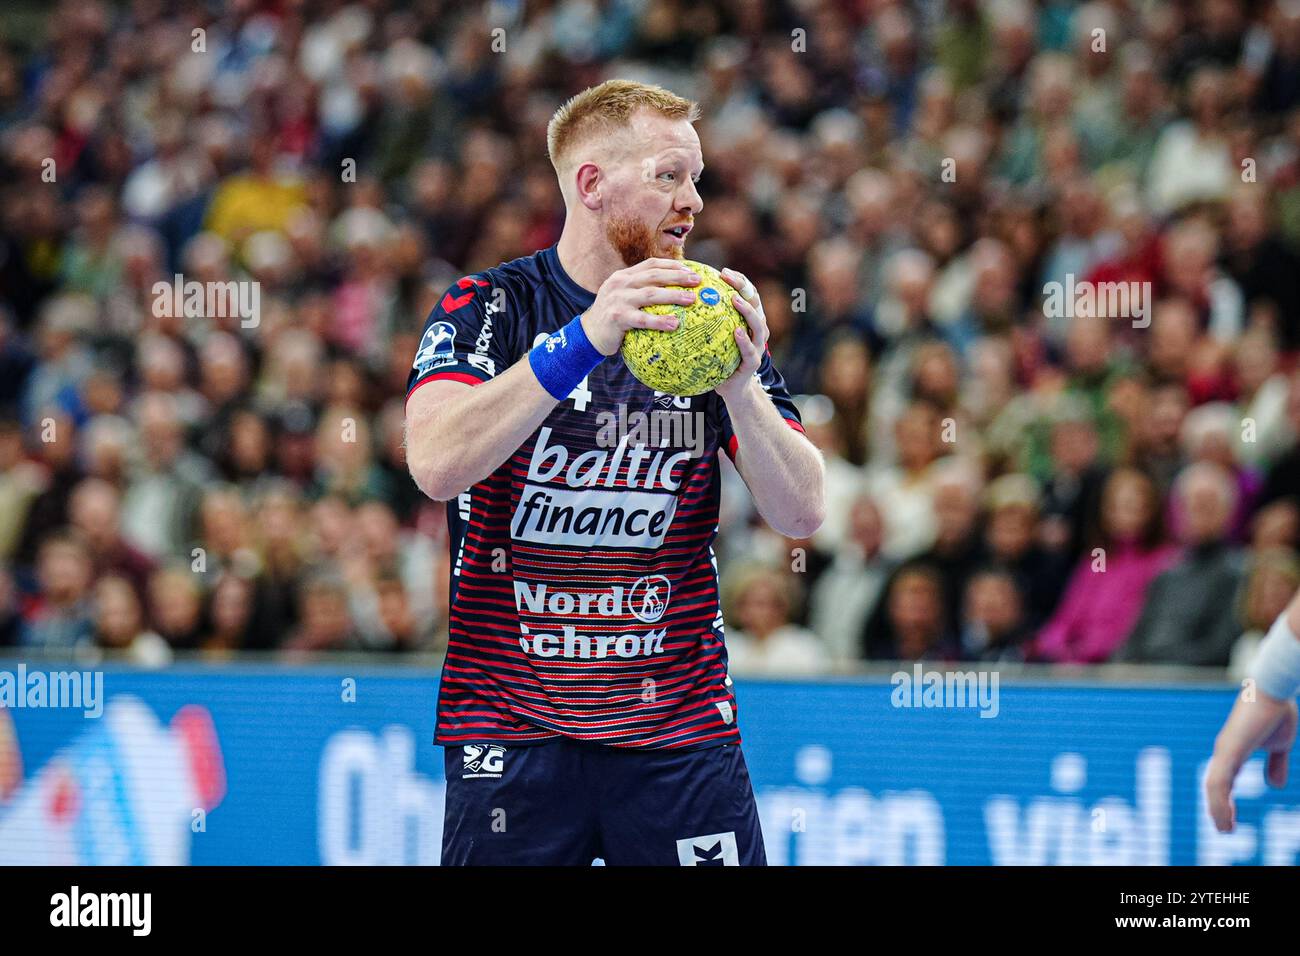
(634, 241)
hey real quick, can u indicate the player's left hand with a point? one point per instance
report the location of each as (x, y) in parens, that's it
(752, 343)
(1264, 723)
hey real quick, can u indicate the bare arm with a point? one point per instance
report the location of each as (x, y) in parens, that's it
(783, 470)
(1258, 721)
(458, 434)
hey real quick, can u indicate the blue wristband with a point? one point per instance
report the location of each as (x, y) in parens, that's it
(562, 360)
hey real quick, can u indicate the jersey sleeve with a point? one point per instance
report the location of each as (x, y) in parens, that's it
(774, 385)
(463, 339)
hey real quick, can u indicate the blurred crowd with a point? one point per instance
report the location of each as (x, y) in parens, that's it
(904, 182)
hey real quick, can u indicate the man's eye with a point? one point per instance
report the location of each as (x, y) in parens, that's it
(670, 175)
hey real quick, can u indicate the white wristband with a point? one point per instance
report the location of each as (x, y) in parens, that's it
(1277, 666)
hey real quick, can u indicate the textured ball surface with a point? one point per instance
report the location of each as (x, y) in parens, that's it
(701, 352)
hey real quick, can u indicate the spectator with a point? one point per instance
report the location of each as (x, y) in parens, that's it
(61, 616)
(912, 627)
(1107, 590)
(1011, 542)
(230, 616)
(1072, 487)
(119, 624)
(282, 564)
(1190, 612)
(326, 622)
(848, 592)
(1261, 401)
(55, 439)
(993, 626)
(94, 510)
(957, 550)
(159, 508)
(176, 605)
(906, 491)
(1270, 584)
(761, 639)
(1209, 434)
(402, 630)
(1191, 162)
(21, 482)
(843, 479)
(1255, 257)
(1282, 481)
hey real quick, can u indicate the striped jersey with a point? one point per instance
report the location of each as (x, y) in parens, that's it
(584, 590)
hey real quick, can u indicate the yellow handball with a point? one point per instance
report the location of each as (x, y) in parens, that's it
(701, 352)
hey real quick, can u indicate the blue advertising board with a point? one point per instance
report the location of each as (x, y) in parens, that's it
(250, 765)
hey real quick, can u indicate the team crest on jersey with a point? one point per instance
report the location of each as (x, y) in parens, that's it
(437, 348)
(483, 760)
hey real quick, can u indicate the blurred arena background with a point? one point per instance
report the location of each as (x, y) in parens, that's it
(1103, 510)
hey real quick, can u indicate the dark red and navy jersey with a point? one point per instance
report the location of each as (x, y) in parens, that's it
(584, 589)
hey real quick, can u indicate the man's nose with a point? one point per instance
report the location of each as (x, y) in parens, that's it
(689, 198)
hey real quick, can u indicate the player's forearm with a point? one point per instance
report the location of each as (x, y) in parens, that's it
(458, 441)
(1276, 668)
(783, 470)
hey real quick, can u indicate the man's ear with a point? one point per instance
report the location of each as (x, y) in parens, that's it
(588, 181)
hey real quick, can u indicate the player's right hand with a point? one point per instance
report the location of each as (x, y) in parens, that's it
(619, 300)
(1264, 723)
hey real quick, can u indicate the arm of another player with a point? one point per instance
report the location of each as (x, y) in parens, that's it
(1268, 722)
(458, 434)
(783, 470)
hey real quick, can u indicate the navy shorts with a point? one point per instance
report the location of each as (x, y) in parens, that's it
(566, 803)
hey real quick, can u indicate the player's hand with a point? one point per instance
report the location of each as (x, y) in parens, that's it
(752, 343)
(1265, 723)
(619, 300)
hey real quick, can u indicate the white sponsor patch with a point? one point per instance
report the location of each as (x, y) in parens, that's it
(592, 519)
(574, 646)
(646, 599)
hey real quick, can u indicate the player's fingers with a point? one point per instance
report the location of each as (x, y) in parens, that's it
(662, 277)
(740, 282)
(754, 318)
(646, 265)
(660, 295)
(648, 320)
(1278, 764)
(750, 354)
(1218, 798)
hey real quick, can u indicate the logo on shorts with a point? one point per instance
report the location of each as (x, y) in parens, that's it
(483, 760)
(716, 849)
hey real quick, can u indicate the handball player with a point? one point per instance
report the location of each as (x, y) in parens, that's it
(584, 704)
